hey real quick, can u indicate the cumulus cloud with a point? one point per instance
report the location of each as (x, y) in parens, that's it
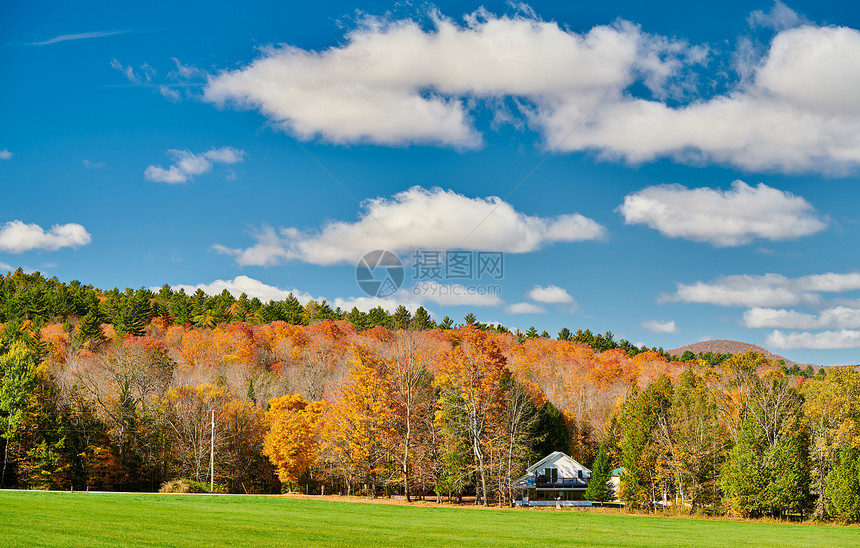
(187, 164)
(551, 294)
(5, 154)
(772, 300)
(836, 317)
(659, 326)
(795, 114)
(249, 286)
(418, 219)
(722, 218)
(394, 82)
(823, 340)
(18, 237)
(740, 290)
(767, 290)
(411, 298)
(525, 308)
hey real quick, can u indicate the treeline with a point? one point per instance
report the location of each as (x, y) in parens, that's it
(34, 298)
(328, 407)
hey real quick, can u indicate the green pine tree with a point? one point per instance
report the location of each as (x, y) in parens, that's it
(401, 318)
(421, 320)
(843, 485)
(551, 433)
(89, 330)
(598, 486)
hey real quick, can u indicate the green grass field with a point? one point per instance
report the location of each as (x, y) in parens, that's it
(80, 519)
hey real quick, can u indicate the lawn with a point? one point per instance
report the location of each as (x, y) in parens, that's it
(29, 518)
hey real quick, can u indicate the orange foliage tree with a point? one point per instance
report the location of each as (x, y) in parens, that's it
(470, 377)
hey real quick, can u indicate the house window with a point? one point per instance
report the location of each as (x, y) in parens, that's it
(579, 474)
(551, 474)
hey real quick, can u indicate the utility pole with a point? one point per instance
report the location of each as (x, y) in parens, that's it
(212, 455)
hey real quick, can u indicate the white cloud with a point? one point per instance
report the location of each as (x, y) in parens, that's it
(186, 72)
(551, 294)
(823, 340)
(128, 71)
(225, 155)
(740, 290)
(5, 154)
(659, 326)
(780, 17)
(411, 298)
(393, 83)
(249, 286)
(722, 218)
(187, 165)
(796, 114)
(18, 237)
(767, 290)
(6, 267)
(365, 304)
(81, 36)
(169, 93)
(525, 308)
(417, 218)
(836, 317)
(93, 165)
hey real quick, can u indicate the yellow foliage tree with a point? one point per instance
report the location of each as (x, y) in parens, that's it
(291, 441)
(358, 430)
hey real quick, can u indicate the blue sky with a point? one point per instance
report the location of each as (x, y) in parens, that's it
(265, 148)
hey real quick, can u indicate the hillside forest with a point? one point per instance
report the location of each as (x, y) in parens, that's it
(141, 390)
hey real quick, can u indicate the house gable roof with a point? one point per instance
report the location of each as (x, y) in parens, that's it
(559, 460)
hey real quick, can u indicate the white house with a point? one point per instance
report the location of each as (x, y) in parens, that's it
(555, 480)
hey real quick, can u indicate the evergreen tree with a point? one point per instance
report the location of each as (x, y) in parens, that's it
(551, 433)
(421, 321)
(291, 310)
(89, 330)
(180, 308)
(378, 316)
(742, 479)
(401, 318)
(134, 313)
(598, 486)
(358, 319)
(843, 485)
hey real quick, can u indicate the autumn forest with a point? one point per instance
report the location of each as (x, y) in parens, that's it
(144, 390)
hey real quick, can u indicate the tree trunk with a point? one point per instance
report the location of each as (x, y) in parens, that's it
(5, 457)
(406, 456)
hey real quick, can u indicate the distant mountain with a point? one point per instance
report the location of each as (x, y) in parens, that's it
(729, 347)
